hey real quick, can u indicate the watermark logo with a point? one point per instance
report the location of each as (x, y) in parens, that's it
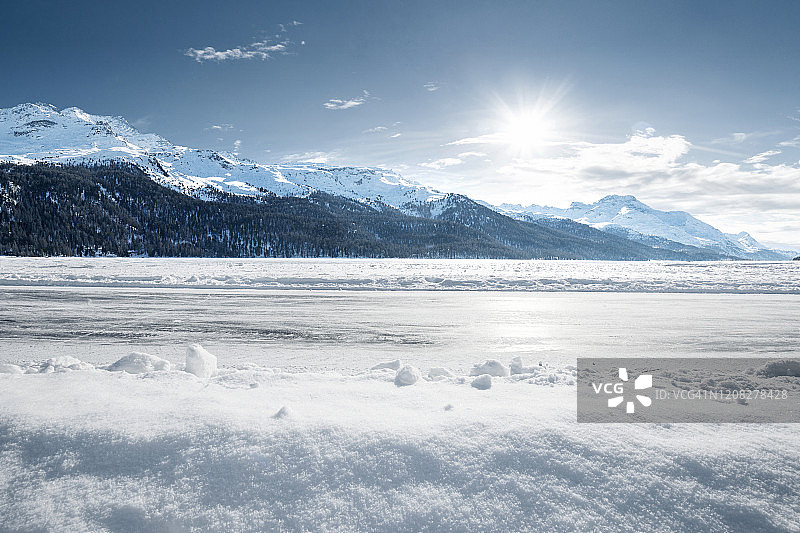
(688, 389)
(644, 381)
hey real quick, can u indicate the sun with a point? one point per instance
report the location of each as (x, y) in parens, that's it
(531, 124)
(526, 130)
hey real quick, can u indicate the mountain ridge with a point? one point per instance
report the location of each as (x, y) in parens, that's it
(626, 215)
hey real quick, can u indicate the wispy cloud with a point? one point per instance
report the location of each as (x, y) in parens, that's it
(219, 127)
(442, 163)
(431, 86)
(760, 158)
(741, 137)
(237, 144)
(263, 49)
(340, 103)
(395, 135)
(319, 158)
(445, 162)
(792, 142)
(376, 129)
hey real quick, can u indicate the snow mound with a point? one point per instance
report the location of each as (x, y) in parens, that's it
(787, 367)
(517, 367)
(392, 365)
(140, 362)
(439, 372)
(7, 368)
(493, 367)
(408, 375)
(63, 363)
(482, 382)
(199, 362)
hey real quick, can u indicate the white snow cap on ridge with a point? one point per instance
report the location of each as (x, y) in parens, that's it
(32, 133)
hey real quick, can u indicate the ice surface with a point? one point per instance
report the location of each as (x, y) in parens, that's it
(139, 362)
(200, 362)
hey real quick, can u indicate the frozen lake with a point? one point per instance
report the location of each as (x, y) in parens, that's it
(348, 331)
(343, 315)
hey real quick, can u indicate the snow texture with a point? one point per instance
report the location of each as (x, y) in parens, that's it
(218, 455)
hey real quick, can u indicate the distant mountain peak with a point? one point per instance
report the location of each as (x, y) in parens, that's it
(39, 132)
(625, 214)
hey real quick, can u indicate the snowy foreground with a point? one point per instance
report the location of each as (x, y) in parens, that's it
(85, 448)
(293, 427)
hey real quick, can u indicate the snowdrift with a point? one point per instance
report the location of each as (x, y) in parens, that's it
(252, 449)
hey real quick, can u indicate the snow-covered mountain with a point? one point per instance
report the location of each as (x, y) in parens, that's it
(627, 216)
(31, 133)
(40, 132)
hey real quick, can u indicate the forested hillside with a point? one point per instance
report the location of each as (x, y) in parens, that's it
(116, 209)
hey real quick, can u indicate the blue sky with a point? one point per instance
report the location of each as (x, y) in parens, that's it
(687, 105)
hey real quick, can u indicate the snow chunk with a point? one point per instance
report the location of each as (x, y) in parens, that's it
(283, 412)
(786, 367)
(517, 367)
(439, 373)
(392, 365)
(8, 368)
(408, 375)
(482, 382)
(199, 362)
(139, 362)
(493, 367)
(63, 363)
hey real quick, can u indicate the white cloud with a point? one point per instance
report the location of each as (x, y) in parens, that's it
(264, 49)
(395, 135)
(442, 163)
(236, 145)
(760, 158)
(338, 103)
(220, 127)
(431, 86)
(471, 154)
